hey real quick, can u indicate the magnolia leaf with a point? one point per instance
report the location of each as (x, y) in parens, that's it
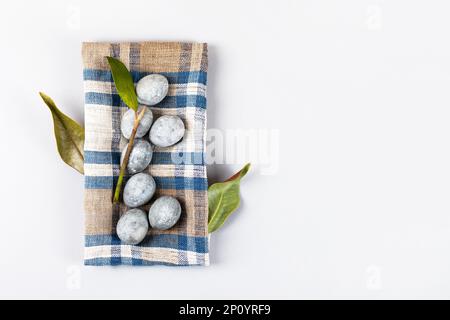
(124, 83)
(224, 199)
(69, 136)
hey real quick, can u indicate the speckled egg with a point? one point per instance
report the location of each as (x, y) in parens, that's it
(126, 125)
(164, 213)
(140, 156)
(132, 227)
(167, 131)
(138, 190)
(152, 89)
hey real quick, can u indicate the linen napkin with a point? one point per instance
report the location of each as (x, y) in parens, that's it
(179, 170)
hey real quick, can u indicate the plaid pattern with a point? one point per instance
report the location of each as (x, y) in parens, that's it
(179, 170)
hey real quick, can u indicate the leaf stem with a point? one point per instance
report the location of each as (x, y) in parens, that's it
(123, 166)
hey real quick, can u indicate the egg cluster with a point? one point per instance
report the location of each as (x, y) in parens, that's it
(165, 131)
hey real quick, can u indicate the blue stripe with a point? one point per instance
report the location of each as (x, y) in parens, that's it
(178, 158)
(172, 183)
(181, 183)
(130, 261)
(135, 261)
(183, 77)
(179, 101)
(107, 182)
(101, 157)
(170, 241)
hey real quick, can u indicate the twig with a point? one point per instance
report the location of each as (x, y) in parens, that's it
(123, 166)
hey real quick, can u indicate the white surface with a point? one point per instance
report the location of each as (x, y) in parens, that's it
(358, 90)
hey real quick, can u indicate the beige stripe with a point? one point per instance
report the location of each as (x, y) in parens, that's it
(94, 54)
(98, 86)
(190, 88)
(154, 56)
(159, 56)
(125, 54)
(98, 208)
(98, 117)
(196, 56)
(97, 170)
(99, 142)
(167, 255)
(98, 128)
(160, 170)
(192, 258)
(167, 170)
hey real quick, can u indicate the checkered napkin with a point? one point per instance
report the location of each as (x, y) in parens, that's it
(179, 170)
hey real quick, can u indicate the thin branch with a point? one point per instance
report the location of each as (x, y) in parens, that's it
(123, 166)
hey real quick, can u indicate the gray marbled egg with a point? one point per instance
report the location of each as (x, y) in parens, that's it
(152, 89)
(166, 131)
(164, 213)
(138, 190)
(140, 156)
(126, 125)
(132, 226)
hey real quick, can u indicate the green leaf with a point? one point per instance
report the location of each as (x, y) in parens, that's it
(124, 83)
(69, 136)
(223, 199)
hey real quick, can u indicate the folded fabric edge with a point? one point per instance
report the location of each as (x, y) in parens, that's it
(94, 53)
(149, 42)
(113, 255)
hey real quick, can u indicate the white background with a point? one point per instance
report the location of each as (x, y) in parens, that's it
(359, 91)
